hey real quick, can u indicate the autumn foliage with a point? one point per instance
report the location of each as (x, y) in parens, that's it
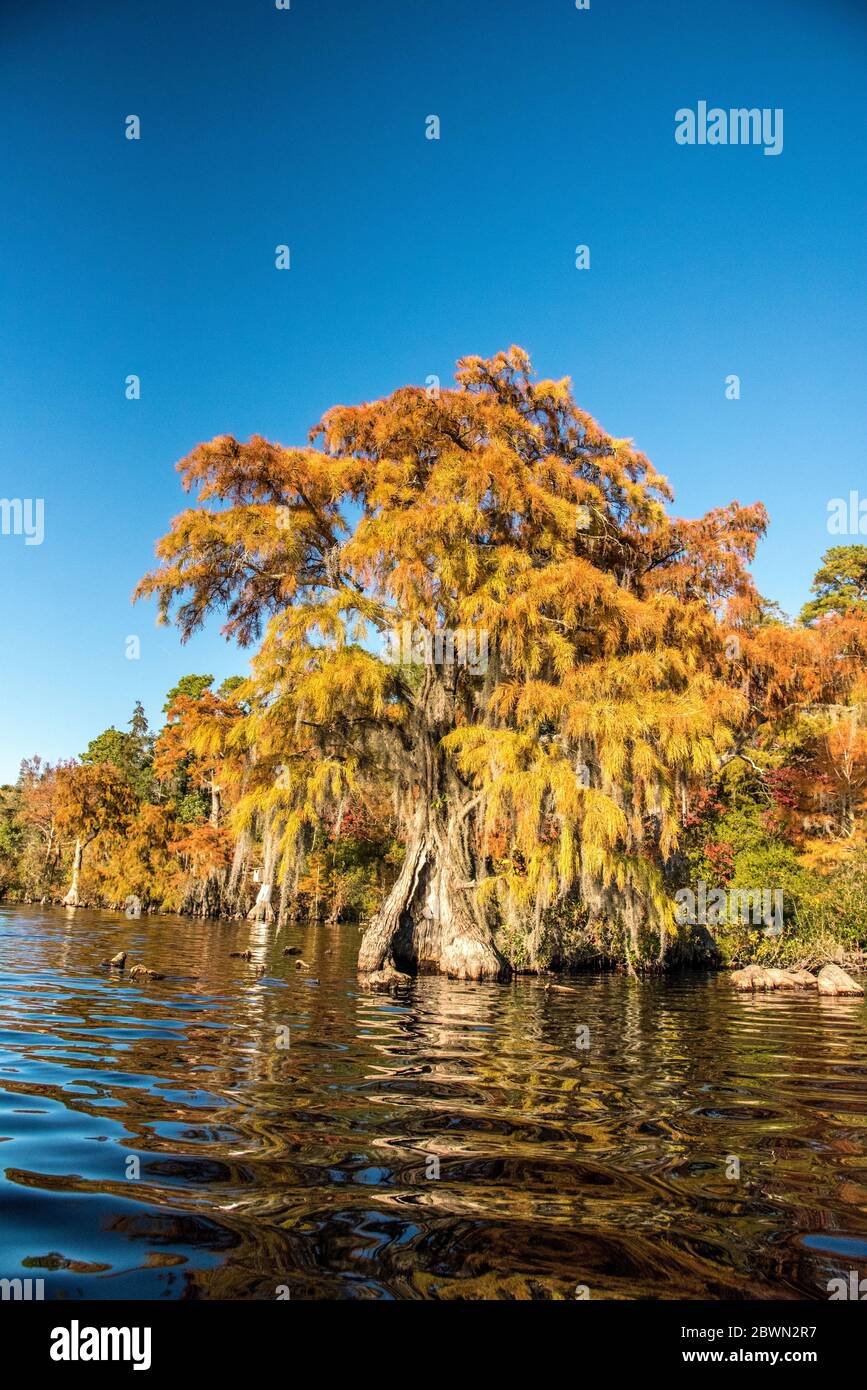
(594, 701)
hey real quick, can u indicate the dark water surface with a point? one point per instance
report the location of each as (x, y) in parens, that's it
(312, 1165)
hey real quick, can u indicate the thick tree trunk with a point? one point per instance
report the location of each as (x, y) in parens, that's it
(430, 920)
(72, 899)
(262, 911)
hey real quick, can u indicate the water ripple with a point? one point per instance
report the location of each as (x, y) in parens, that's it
(219, 1133)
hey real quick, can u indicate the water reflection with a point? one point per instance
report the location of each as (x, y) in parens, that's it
(158, 1139)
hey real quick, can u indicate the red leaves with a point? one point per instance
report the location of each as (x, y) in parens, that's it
(704, 804)
(720, 856)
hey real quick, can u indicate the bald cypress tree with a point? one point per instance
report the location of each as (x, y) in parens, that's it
(479, 597)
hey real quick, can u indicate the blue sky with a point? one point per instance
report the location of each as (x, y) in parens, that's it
(307, 127)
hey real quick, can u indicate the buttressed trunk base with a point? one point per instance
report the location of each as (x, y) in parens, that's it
(429, 922)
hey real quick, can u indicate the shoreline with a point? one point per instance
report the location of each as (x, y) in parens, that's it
(682, 963)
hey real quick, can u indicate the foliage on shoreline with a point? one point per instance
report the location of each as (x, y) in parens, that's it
(785, 818)
(154, 824)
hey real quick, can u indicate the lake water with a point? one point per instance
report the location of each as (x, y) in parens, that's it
(229, 1135)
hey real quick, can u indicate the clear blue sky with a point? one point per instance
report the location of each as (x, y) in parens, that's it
(262, 126)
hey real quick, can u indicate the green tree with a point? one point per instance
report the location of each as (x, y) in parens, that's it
(193, 686)
(840, 584)
(11, 835)
(228, 687)
(131, 753)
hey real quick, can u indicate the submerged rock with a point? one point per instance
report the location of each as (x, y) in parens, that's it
(782, 979)
(771, 977)
(751, 977)
(386, 978)
(804, 978)
(144, 972)
(831, 979)
(834, 980)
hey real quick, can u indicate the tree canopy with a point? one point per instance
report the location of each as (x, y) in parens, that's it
(502, 512)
